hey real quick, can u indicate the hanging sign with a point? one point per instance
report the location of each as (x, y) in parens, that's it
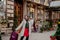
(31, 9)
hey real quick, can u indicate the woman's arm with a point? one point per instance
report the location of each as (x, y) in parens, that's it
(19, 26)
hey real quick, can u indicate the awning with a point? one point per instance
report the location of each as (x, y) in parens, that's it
(55, 4)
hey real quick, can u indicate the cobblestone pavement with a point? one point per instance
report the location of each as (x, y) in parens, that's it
(35, 36)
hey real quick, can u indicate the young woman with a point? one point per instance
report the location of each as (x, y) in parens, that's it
(26, 27)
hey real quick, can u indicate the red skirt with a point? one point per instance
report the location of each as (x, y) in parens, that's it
(26, 32)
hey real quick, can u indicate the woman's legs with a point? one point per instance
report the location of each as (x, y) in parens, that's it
(27, 38)
(22, 38)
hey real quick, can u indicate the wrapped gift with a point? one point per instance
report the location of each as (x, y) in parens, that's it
(52, 38)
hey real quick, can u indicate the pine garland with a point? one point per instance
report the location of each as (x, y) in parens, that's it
(15, 22)
(58, 29)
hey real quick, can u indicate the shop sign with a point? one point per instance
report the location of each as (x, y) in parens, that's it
(31, 9)
(37, 1)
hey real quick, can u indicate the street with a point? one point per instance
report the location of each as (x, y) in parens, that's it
(35, 36)
(26, 15)
(41, 36)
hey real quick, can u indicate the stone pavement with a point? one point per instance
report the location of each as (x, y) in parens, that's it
(35, 36)
(41, 36)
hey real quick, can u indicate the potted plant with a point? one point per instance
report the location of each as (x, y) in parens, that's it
(41, 29)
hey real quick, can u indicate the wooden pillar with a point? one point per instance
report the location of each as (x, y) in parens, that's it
(24, 8)
(50, 18)
(35, 12)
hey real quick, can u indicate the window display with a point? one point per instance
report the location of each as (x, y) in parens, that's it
(46, 15)
(30, 12)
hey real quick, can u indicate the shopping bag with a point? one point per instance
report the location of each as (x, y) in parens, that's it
(14, 36)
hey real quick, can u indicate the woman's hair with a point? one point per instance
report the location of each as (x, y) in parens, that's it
(26, 16)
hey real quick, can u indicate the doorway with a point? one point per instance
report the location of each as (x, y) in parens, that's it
(19, 10)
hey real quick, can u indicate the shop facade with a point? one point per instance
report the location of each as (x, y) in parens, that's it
(37, 9)
(55, 12)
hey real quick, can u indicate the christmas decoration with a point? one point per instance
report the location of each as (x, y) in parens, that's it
(57, 34)
(58, 29)
(15, 22)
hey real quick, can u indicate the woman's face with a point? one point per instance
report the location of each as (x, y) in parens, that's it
(27, 18)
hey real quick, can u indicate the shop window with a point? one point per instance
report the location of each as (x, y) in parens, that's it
(38, 14)
(30, 12)
(54, 15)
(46, 15)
